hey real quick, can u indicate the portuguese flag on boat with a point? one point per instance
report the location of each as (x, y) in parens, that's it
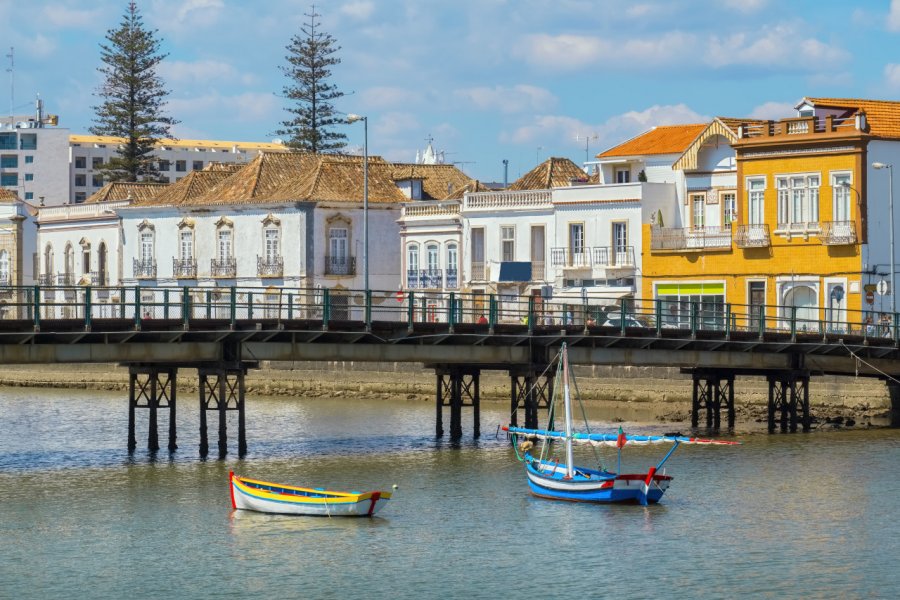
(621, 440)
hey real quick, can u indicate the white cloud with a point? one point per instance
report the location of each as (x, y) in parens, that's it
(200, 71)
(360, 10)
(773, 111)
(395, 123)
(892, 75)
(519, 98)
(389, 97)
(247, 107)
(779, 46)
(204, 8)
(57, 15)
(893, 18)
(40, 46)
(745, 6)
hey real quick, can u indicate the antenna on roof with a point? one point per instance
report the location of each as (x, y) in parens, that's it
(11, 69)
(587, 140)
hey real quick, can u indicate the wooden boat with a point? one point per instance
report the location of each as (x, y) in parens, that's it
(275, 498)
(560, 479)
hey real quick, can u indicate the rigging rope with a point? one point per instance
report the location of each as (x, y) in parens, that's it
(870, 365)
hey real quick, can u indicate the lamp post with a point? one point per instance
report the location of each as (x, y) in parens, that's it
(351, 118)
(890, 168)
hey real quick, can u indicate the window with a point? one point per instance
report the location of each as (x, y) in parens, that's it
(623, 175)
(508, 244)
(620, 242)
(729, 208)
(9, 161)
(840, 197)
(186, 244)
(798, 200)
(756, 189)
(224, 236)
(576, 243)
(80, 180)
(80, 162)
(4, 267)
(478, 253)
(452, 258)
(96, 162)
(147, 247)
(29, 195)
(164, 165)
(431, 253)
(272, 244)
(181, 165)
(163, 179)
(698, 211)
(28, 141)
(29, 176)
(9, 179)
(29, 159)
(197, 165)
(80, 197)
(97, 180)
(412, 258)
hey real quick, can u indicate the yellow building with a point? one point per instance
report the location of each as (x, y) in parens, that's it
(794, 239)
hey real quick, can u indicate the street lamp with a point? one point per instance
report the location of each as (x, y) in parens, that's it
(351, 118)
(890, 168)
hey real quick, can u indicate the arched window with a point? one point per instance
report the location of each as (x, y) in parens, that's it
(804, 299)
(412, 266)
(69, 264)
(48, 265)
(433, 262)
(4, 268)
(452, 266)
(224, 265)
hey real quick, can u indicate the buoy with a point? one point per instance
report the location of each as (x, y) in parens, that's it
(526, 446)
(395, 486)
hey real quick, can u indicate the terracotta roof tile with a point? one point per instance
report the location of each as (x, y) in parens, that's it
(883, 116)
(552, 173)
(124, 190)
(193, 185)
(7, 195)
(438, 181)
(665, 139)
(473, 186)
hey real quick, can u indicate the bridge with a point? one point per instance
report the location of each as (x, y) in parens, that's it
(223, 332)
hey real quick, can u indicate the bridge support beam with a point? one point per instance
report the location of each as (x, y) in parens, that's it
(457, 387)
(531, 391)
(789, 399)
(222, 390)
(151, 387)
(711, 391)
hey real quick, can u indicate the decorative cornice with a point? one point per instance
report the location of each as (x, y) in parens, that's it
(145, 224)
(186, 222)
(224, 222)
(271, 220)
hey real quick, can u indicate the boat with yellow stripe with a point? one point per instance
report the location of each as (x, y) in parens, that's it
(276, 498)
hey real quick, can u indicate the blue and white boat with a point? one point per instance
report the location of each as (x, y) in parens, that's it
(560, 479)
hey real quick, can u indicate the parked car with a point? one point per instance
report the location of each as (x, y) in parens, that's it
(616, 321)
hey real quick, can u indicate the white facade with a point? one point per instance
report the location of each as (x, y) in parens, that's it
(34, 162)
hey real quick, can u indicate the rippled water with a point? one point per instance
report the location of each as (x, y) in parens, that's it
(781, 516)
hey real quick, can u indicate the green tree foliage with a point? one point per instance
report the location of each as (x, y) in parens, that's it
(310, 54)
(133, 98)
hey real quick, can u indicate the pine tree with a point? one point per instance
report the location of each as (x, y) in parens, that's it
(133, 98)
(310, 56)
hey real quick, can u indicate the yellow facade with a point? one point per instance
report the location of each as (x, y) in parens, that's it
(796, 259)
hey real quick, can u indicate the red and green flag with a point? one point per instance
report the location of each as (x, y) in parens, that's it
(620, 441)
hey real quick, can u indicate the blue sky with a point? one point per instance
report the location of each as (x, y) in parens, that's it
(487, 79)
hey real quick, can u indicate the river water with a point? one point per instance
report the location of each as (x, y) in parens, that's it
(781, 516)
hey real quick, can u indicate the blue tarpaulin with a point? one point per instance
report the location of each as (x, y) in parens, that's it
(515, 271)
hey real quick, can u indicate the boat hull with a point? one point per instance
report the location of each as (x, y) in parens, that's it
(589, 485)
(272, 498)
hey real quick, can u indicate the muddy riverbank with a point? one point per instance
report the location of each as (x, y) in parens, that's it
(631, 394)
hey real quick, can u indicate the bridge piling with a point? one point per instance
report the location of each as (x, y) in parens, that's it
(711, 390)
(530, 389)
(222, 389)
(788, 394)
(457, 387)
(151, 387)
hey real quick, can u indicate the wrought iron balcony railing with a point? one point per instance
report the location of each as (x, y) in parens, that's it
(424, 278)
(752, 236)
(223, 267)
(65, 279)
(145, 269)
(45, 279)
(452, 279)
(605, 256)
(269, 266)
(478, 270)
(340, 265)
(838, 233)
(690, 238)
(538, 270)
(184, 268)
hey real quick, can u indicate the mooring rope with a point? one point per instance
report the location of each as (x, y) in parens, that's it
(859, 359)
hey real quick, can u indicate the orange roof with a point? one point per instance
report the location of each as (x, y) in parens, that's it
(665, 139)
(552, 173)
(883, 116)
(7, 195)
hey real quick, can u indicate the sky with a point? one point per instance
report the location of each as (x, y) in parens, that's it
(487, 80)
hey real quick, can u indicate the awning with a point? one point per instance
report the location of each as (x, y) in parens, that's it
(595, 296)
(515, 271)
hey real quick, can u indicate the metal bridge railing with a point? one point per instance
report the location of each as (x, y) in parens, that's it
(221, 306)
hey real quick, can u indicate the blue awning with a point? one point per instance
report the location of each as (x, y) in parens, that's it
(515, 271)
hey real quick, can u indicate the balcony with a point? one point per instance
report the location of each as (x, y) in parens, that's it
(663, 239)
(563, 257)
(45, 279)
(144, 269)
(838, 233)
(184, 268)
(269, 266)
(538, 270)
(478, 270)
(223, 267)
(453, 279)
(340, 265)
(799, 228)
(65, 279)
(424, 279)
(752, 236)
(598, 256)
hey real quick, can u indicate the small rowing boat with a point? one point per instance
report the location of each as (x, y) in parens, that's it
(275, 498)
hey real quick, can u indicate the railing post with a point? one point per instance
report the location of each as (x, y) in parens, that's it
(896, 328)
(622, 307)
(451, 312)
(290, 303)
(208, 304)
(728, 321)
(233, 307)
(185, 306)
(793, 323)
(36, 299)
(762, 321)
(694, 319)
(87, 307)
(424, 309)
(249, 305)
(326, 307)
(166, 303)
(411, 309)
(122, 302)
(657, 309)
(492, 313)
(530, 316)
(137, 307)
(368, 310)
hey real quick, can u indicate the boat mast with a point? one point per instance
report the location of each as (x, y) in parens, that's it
(567, 405)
